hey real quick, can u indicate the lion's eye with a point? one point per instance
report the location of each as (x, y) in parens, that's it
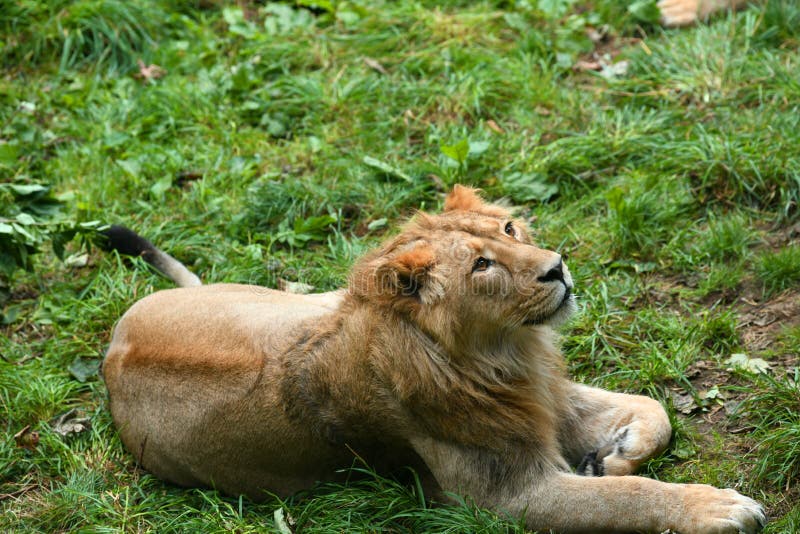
(481, 264)
(510, 229)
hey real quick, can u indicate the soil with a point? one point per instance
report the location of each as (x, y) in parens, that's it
(762, 322)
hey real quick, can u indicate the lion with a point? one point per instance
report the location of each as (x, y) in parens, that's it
(439, 355)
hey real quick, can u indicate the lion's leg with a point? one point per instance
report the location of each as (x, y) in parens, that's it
(569, 503)
(552, 499)
(612, 433)
(686, 12)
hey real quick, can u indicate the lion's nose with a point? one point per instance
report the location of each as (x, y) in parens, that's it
(555, 274)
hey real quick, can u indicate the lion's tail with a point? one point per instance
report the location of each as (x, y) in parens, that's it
(127, 242)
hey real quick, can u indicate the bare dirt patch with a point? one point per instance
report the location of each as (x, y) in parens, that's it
(762, 322)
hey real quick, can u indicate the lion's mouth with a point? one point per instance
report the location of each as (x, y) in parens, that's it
(558, 314)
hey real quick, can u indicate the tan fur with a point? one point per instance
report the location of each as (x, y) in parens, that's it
(685, 12)
(430, 358)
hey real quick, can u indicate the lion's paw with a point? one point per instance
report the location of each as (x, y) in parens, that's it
(613, 458)
(720, 511)
(679, 12)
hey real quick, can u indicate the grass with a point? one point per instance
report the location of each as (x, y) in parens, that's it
(781, 269)
(282, 143)
(778, 406)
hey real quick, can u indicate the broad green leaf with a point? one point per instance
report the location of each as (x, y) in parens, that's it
(8, 154)
(131, 166)
(457, 152)
(645, 11)
(554, 9)
(161, 186)
(347, 17)
(10, 314)
(376, 224)
(528, 187)
(27, 189)
(83, 369)
(115, 139)
(476, 148)
(324, 5)
(26, 219)
(27, 235)
(237, 23)
(386, 168)
(282, 19)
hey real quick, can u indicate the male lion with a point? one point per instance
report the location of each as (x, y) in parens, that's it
(439, 355)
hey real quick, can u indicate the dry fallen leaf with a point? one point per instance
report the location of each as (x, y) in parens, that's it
(604, 65)
(437, 182)
(683, 402)
(493, 126)
(732, 407)
(27, 439)
(283, 522)
(76, 261)
(374, 65)
(587, 65)
(742, 361)
(596, 36)
(298, 288)
(67, 423)
(711, 394)
(615, 70)
(149, 72)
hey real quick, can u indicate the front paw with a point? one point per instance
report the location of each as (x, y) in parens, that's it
(679, 12)
(719, 511)
(612, 459)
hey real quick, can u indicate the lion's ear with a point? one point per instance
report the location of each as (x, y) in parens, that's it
(463, 198)
(402, 280)
(408, 270)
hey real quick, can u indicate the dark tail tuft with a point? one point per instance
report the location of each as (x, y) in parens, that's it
(126, 241)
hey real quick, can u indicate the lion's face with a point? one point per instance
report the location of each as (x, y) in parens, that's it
(472, 270)
(492, 274)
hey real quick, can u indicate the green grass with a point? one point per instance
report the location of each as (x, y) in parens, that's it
(778, 406)
(781, 269)
(283, 143)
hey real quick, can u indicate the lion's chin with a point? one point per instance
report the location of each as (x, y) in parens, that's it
(558, 316)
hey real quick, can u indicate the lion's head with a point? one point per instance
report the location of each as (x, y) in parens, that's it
(470, 273)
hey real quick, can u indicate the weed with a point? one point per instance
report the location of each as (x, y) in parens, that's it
(726, 238)
(719, 331)
(642, 218)
(779, 270)
(110, 33)
(776, 408)
(720, 278)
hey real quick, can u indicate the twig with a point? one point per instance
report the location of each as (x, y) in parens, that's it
(19, 492)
